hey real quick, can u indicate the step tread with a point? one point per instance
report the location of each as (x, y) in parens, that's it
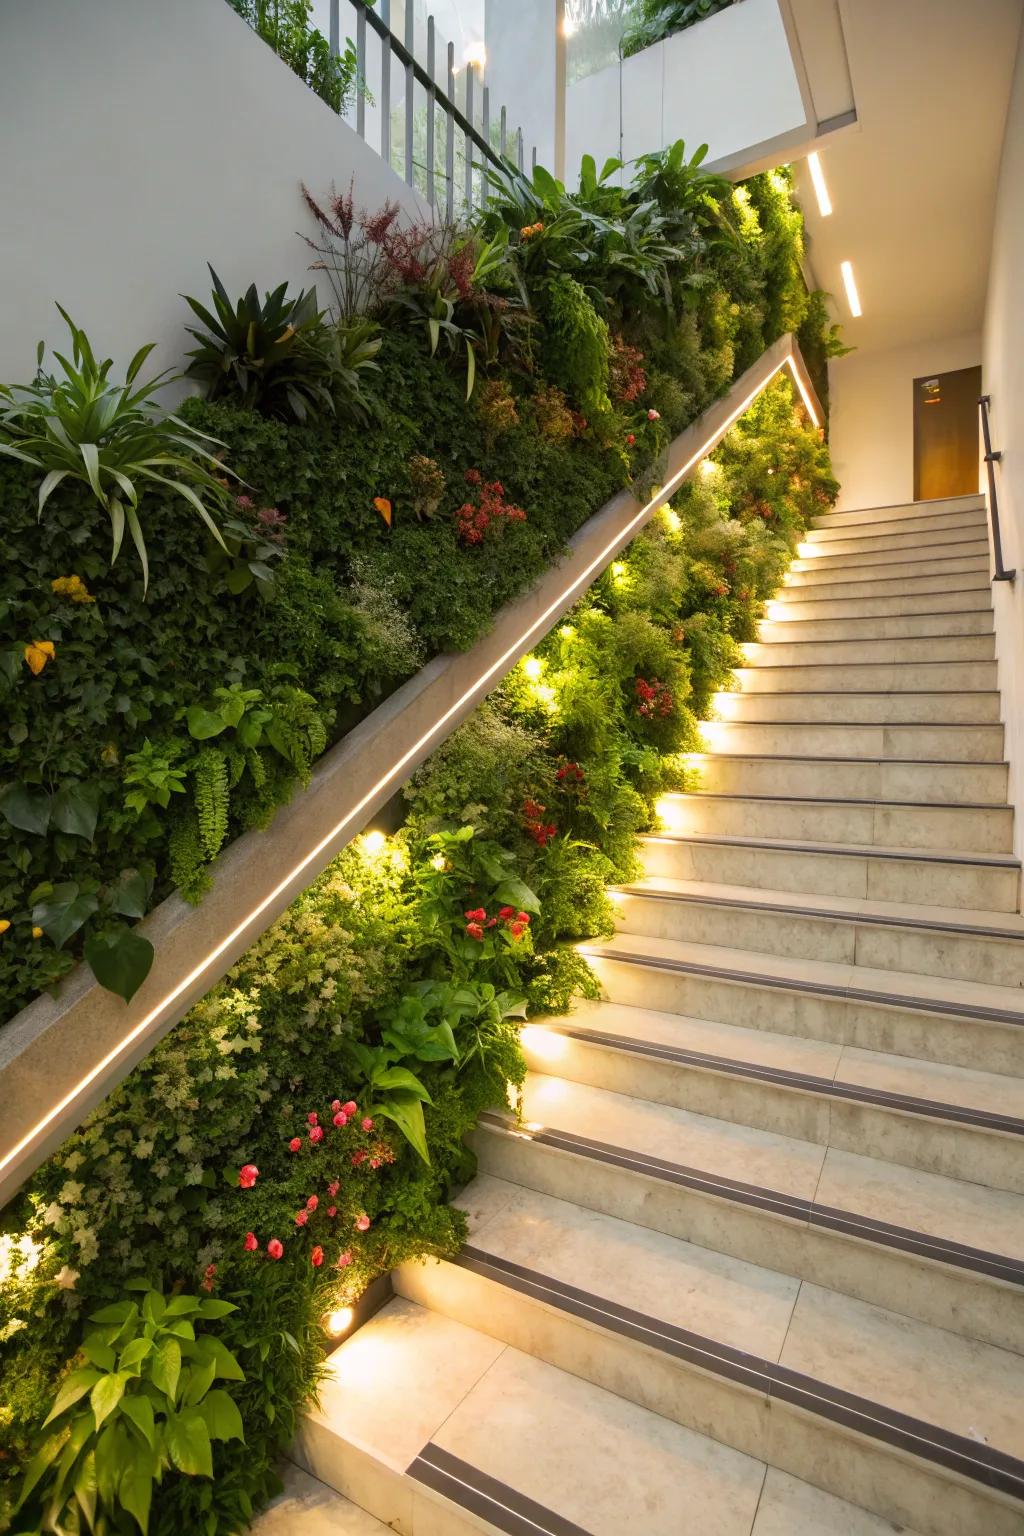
(819, 1065)
(837, 804)
(842, 850)
(952, 1210)
(308, 1507)
(519, 1429)
(965, 1388)
(931, 994)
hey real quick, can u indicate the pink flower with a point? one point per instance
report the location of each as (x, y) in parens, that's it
(335, 1105)
(312, 1117)
(367, 1124)
(251, 1243)
(294, 1144)
(351, 1108)
(274, 1248)
(316, 1258)
(208, 1273)
(332, 1210)
(653, 415)
(312, 1203)
(357, 1158)
(363, 1223)
(344, 1260)
(375, 1162)
(341, 1119)
(332, 1189)
(316, 1133)
(630, 440)
(247, 1176)
(301, 1218)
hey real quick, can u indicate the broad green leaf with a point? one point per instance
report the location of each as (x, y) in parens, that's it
(513, 892)
(114, 1449)
(400, 1078)
(120, 960)
(64, 913)
(407, 1114)
(118, 1311)
(73, 1387)
(75, 810)
(138, 1408)
(204, 723)
(130, 896)
(188, 1443)
(106, 1395)
(223, 1419)
(27, 809)
(134, 1353)
(470, 368)
(98, 1352)
(199, 1383)
(136, 1493)
(210, 1347)
(165, 1367)
(43, 1459)
(182, 1306)
(210, 1307)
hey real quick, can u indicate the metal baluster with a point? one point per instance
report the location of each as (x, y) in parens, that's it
(519, 148)
(449, 149)
(335, 38)
(431, 109)
(533, 160)
(504, 130)
(487, 140)
(385, 84)
(361, 69)
(468, 136)
(410, 86)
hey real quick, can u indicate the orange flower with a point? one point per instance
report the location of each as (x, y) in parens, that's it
(384, 508)
(37, 654)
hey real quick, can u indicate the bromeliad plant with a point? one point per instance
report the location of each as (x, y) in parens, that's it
(144, 1402)
(110, 437)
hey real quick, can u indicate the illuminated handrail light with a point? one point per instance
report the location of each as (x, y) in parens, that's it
(818, 180)
(538, 627)
(852, 296)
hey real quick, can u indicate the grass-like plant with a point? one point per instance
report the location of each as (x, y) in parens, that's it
(111, 437)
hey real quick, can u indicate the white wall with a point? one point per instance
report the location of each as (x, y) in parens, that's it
(872, 416)
(1003, 379)
(728, 82)
(144, 138)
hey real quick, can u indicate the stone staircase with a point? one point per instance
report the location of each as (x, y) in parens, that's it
(754, 1263)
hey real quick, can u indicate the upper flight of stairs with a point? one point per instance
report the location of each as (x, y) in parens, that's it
(752, 1263)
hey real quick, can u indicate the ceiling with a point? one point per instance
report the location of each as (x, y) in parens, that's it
(913, 182)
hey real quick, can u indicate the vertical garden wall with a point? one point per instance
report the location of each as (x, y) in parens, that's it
(383, 477)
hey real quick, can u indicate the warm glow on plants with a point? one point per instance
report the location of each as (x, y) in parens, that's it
(533, 667)
(673, 522)
(373, 844)
(543, 1043)
(339, 1321)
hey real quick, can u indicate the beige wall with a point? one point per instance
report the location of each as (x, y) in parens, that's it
(872, 427)
(1003, 376)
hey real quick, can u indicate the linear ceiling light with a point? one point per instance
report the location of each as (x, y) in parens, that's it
(820, 189)
(409, 759)
(852, 296)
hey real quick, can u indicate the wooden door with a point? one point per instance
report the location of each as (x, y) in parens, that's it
(946, 449)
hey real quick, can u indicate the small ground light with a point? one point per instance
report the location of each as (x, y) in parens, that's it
(339, 1321)
(533, 666)
(373, 843)
(708, 466)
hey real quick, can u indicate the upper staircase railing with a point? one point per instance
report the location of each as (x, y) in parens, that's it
(992, 458)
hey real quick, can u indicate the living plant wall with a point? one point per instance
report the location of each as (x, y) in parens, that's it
(382, 478)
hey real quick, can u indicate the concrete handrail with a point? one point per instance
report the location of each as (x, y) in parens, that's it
(62, 1055)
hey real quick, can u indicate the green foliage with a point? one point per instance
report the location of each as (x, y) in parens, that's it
(285, 25)
(577, 346)
(659, 19)
(109, 437)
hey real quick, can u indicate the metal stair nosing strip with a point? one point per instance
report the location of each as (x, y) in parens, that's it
(480, 1494)
(844, 850)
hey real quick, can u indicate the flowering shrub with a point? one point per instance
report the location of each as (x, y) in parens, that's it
(627, 379)
(476, 517)
(653, 700)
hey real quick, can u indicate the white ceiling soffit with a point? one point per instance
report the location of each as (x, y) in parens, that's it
(913, 185)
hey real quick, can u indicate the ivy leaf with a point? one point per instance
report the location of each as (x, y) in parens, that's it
(204, 723)
(64, 913)
(130, 896)
(75, 810)
(120, 960)
(222, 1417)
(188, 1443)
(26, 809)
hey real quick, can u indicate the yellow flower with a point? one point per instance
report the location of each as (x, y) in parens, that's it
(37, 933)
(38, 653)
(73, 587)
(4, 924)
(384, 508)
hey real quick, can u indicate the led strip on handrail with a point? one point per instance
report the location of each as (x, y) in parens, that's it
(537, 628)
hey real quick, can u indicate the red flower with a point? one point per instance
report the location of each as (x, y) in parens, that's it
(294, 1145)
(336, 1105)
(474, 931)
(517, 930)
(247, 1176)
(340, 1119)
(332, 1189)
(251, 1242)
(523, 917)
(332, 1210)
(274, 1248)
(367, 1124)
(316, 1133)
(208, 1277)
(350, 1108)
(344, 1260)
(312, 1117)
(532, 810)
(478, 915)
(316, 1258)
(312, 1203)
(507, 913)
(301, 1218)
(357, 1158)
(362, 1223)
(630, 440)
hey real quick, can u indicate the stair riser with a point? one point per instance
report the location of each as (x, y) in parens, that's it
(959, 956)
(860, 708)
(911, 536)
(931, 511)
(887, 588)
(896, 627)
(974, 1306)
(922, 557)
(920, 882)
(916, 1141)
(827, 779)
(827, 652)
(914, 677)
(398, 1502)
(956, 1041)
(820, 577)
(976, 596)
(926, 745)
(897, 1487)
(945, 827)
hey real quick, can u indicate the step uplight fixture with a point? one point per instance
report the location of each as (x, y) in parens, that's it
(818, 179)
(852, 296)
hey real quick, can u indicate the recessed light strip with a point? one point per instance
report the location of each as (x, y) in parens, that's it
(852, 296)
(820, 189)
(508, 657)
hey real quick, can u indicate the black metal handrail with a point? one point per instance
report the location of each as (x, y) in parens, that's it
(992, 458)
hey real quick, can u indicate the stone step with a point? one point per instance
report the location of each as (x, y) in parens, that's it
(807, 708)
(870, 648)
(821, 777)
(933, 1116)
(825, 579)
(825, 561)
(307, 1507)
(959, 828)
(884, 585)
(942, 1250)
(809, 605)
(932, 511)
(877, 677)
(957, 1024)
(443, 1428)
(929, 941)
(904, 533)
(827, 1386)
(979, 621)
(925, 745)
